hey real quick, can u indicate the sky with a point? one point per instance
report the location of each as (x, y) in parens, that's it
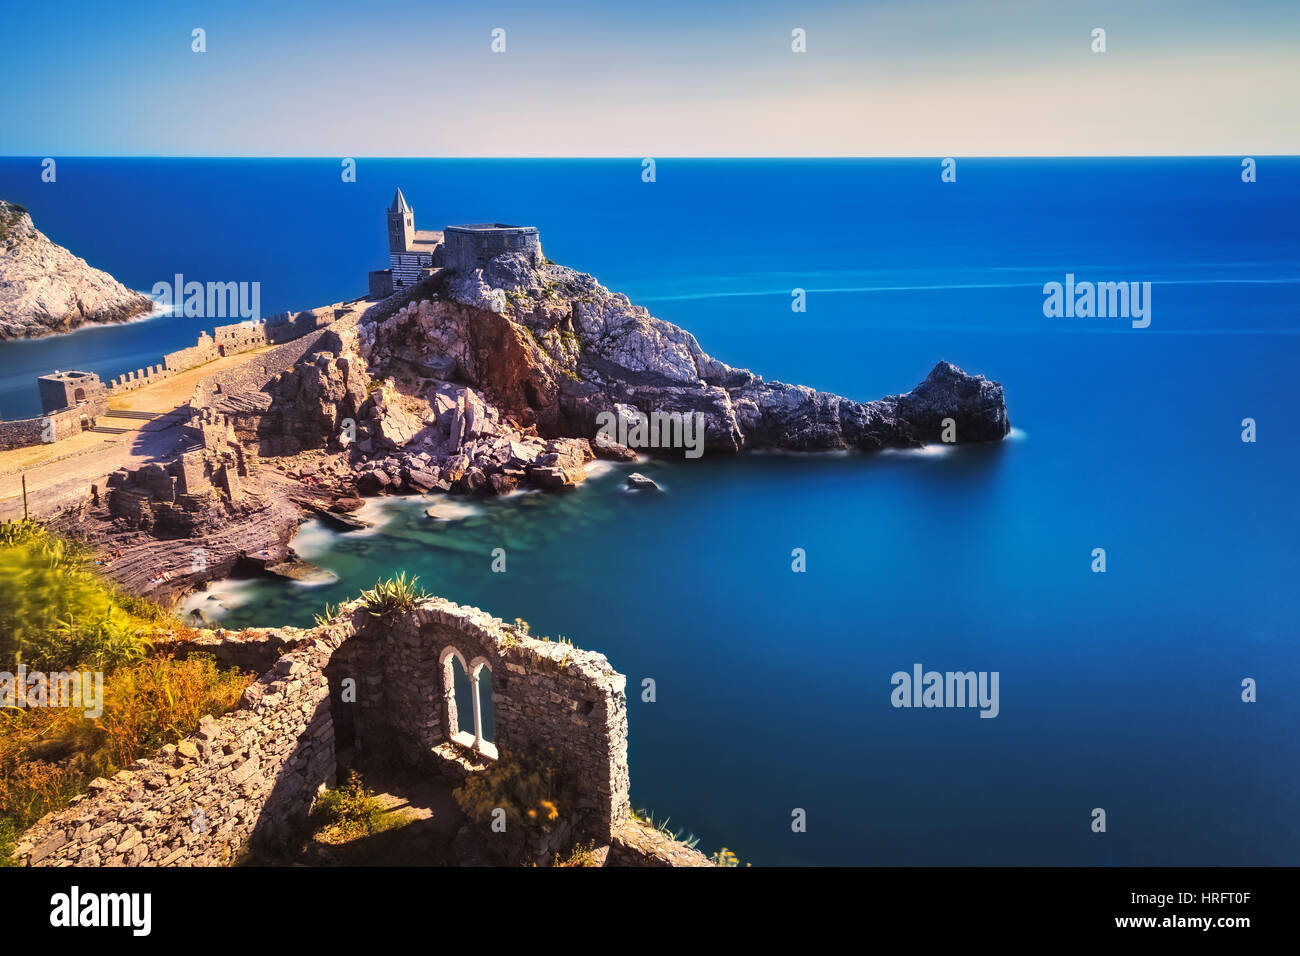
(664, 78)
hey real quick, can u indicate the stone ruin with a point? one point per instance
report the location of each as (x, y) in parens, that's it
(381, 688)
(214, 469)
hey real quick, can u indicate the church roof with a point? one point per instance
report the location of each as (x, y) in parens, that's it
(399, 203)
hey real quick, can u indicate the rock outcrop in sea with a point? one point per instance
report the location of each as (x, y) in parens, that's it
(500, 376)
(485, 381)
(46, 290)
(509, 375)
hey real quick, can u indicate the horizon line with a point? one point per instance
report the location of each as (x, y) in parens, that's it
(661, 156)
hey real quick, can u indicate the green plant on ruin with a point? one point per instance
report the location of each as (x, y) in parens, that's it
(350, 810)
(527, 788)
(327, 614)
(581, 854)
(689, 840)
(392, 596)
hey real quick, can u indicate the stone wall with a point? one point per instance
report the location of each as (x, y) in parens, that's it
(251, 775)
(467, 248)
(25, 432)
(130, 381)
(246, 778)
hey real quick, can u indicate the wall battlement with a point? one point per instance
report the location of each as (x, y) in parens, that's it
(72, 400)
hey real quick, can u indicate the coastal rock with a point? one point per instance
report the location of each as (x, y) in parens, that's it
(609, 450)
(562, 464)
(639, 482)
(561, 358)
(45, 289)
(512, 272)
(390, 425)
(372, 483)
(309, 403)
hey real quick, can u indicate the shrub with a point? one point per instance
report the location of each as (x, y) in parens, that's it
(49, 754)
(582, 854)
(725, 857)
(350, 810)
(528, 789)
(161, 701)
(391, 596)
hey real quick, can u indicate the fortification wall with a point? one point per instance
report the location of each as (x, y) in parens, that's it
(235, 339)
(469, 248)
(251, 775)
(25, 432)
(230, 390)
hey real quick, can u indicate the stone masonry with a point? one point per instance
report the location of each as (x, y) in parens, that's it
(248, 779)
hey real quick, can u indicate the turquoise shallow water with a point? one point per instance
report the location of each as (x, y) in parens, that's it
(1118, 690)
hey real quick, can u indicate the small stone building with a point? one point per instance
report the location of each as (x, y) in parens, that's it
(61, 390)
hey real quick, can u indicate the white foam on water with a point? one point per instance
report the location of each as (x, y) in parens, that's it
(451, 508)
(220, 598)
(601, 468)
(938, 450)
(1016, 434)
(321, 579)
(314, 539)
(377, 512)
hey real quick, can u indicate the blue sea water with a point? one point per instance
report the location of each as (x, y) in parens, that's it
(1119, 690)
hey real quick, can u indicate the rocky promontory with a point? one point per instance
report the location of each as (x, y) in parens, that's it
(483, 381)
(46, 290)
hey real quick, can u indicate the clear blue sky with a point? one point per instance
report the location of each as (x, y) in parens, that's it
(896, 78)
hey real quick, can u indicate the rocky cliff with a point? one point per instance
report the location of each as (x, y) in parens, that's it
(45, 289)
(554, 348)
(488, 380)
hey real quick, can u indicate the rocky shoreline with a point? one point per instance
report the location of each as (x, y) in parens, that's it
(477, 383)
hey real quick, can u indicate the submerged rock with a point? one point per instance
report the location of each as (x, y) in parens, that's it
(639, 482)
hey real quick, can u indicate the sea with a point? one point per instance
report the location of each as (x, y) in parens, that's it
(1125, 561)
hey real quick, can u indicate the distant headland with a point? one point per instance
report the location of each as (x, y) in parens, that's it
(46, 290)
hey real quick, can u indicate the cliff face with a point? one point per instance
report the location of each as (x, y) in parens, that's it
(45, 289)
(554, 349)
(484, 381)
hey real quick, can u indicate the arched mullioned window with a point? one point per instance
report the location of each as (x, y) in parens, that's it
(472, 729)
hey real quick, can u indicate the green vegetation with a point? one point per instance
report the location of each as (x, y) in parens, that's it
(645, 816)
(725, 857)
(582, 854)
(327, 614)
(57, 614)
(10, 214)
(393, 596)
(350, 811)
